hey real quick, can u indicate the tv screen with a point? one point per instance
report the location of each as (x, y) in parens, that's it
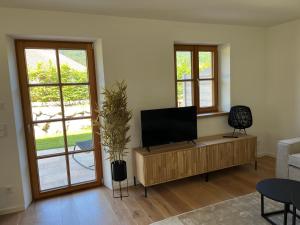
(164, 126)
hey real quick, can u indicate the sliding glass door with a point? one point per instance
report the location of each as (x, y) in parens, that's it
(59, 97)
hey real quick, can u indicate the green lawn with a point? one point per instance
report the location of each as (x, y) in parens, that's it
(58, 141)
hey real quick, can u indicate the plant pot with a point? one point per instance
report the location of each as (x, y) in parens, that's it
(119, 170)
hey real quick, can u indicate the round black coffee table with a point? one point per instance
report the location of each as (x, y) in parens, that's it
(279, 190)
(296, 204)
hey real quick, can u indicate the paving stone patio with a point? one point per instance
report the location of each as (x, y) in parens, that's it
(53, 172)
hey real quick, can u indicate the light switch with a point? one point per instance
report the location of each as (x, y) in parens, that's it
(3, 130)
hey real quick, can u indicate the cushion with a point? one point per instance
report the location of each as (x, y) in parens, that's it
(294, 160)
(294, 173)
(284, 149)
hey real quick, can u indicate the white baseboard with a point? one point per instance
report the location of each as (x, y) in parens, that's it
(12, 210)
(130, 182)
(123, 184)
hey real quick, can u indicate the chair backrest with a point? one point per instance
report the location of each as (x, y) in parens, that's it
(240, 117)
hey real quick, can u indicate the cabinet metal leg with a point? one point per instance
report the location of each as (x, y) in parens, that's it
(146, 194)
(134, 180)
(206, 177)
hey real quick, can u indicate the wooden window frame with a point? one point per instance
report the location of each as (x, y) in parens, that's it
(195, 49)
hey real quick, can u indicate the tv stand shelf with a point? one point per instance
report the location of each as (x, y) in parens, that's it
(179, 160)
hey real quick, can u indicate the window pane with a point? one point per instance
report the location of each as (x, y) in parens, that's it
(184, 65)
(205, 65)
(79, 134)
(82, 167)
(52, 172)
(206, 93)
(41, 66)
(73, 66)
(45, 103)
(49, 138)
(76, 101)
(184, 94)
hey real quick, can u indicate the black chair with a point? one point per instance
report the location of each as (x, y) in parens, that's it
(83, 145)
(240, 118)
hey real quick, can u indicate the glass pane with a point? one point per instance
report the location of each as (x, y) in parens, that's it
(76, 100)
(184, 65)
(205, 65)
(45, 103)
(49, 138)
(52, 172)
(206, 93)
(82, 167)
(41, 66)
(79, 134)
(184, 94)
(73, 66)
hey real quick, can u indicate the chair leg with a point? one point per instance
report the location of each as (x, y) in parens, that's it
(74, 149)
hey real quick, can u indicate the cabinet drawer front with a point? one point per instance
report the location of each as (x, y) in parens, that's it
(244, 151)
(219, 156)
(155, 169)
(200, 161)
(174, 165)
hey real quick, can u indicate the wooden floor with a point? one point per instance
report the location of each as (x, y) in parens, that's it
(96, 206)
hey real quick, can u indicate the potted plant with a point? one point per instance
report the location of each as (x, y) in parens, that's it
(113, 119)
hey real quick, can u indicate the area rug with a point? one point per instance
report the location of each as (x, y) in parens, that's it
(244, 210)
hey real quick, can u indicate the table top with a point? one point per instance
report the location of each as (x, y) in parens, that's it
(279, 190)
(200, 142)
(296, 199)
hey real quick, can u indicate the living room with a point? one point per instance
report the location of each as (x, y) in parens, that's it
(257, 47)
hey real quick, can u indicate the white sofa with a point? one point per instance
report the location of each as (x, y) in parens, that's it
(288, 159)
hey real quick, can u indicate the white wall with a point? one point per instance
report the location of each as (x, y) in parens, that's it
(224, 80)
(19, 129)
(140, 52)
(9, 155)
(283, 83)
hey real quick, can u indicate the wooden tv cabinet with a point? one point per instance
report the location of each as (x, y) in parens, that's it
(175, 161)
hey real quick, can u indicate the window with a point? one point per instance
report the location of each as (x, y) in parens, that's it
(196, 75)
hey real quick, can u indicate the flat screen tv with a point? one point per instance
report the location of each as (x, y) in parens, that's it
(164, 126)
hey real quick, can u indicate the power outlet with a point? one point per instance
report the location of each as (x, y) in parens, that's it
(5, 190)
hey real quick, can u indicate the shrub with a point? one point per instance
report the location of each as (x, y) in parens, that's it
(45, 73)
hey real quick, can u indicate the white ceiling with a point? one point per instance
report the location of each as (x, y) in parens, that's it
(243, 12)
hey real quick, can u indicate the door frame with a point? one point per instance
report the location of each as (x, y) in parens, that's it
(20, 46)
